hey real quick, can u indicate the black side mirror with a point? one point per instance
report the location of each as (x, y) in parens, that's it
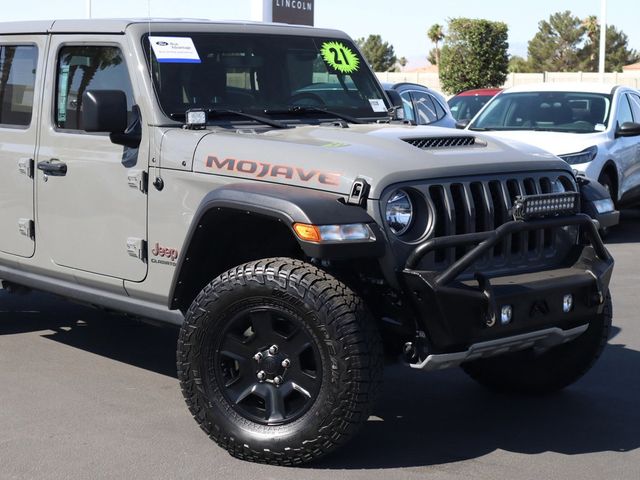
(396, 102)
(628, 129)
(462, 124)
(104, 111)
(395, 98)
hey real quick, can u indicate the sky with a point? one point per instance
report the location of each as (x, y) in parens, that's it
(403, 23)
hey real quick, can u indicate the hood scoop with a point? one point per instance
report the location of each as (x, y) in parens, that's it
(443, 142)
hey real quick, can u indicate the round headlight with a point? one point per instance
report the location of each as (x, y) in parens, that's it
(399, 212)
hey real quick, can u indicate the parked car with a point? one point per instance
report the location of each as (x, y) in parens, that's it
(423, 105)
(465, 105)
(593, 127)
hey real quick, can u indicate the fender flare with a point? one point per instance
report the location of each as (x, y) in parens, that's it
(287, 205)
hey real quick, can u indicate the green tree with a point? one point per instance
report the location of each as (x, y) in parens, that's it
(617, 51)
(518, 64)
(436, 35)
(474, 55)
(556, 45)
(379, 54)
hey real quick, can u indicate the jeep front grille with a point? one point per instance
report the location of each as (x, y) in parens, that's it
(441, 142)
(476, 204)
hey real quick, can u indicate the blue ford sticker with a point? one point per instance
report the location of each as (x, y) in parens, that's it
(174, 49)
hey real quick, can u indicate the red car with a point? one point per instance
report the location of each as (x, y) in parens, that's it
(465, 105)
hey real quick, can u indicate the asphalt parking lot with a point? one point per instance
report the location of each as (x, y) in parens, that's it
(85, 394)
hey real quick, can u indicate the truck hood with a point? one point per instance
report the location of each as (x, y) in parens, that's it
(557, 143)
(330, 158)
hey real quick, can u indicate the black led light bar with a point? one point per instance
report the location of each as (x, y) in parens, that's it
(545, 205)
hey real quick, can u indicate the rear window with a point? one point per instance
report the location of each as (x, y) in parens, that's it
(17, 83)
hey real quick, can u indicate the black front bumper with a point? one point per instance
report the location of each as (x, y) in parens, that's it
(608, 219)
(457, 313)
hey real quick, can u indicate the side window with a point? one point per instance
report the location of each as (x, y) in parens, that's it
(440, 111)
(635, 106)
(426, 110)
(407, 105)
(624, 110)
(17, 82)
(82, 68)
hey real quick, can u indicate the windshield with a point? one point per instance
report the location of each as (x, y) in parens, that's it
(256, 73)
(575, 112)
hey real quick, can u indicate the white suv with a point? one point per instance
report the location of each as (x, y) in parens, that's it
(594, 127)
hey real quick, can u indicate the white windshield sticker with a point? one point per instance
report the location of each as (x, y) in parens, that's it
(599, 127)
(174, 49)
(377, 105)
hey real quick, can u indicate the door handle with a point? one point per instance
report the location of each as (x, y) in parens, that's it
(53, 167)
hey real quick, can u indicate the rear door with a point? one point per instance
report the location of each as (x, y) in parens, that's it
(92, 218)
(21, 73)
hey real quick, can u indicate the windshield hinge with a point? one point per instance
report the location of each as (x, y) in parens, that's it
(335, 123)
(358, 193)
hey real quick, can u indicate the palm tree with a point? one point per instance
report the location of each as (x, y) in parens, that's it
(436, 35)
(591, 27)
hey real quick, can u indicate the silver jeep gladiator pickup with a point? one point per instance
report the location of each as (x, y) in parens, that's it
(251, 183)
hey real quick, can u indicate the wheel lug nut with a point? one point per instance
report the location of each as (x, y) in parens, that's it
(258, 357)
(262, 376)
(273, 349)
(277, 380)
(286, 363)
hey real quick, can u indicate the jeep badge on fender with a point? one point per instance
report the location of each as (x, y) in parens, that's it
(292, 213)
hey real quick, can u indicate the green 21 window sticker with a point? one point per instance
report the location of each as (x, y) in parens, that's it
(340, 57)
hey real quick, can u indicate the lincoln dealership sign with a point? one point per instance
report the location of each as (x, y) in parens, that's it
(296, 12)
(299, 12)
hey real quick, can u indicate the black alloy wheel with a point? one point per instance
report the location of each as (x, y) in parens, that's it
(267, 364)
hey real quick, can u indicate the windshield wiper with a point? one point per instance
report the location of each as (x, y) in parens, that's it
(224, 111)
(300, 110)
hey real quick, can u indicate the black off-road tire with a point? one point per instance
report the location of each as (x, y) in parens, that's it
(527, 372)
(344, 338)
(608, 183)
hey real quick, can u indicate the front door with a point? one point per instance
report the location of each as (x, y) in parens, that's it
(624, 149)
(92, 209)
(21, 76)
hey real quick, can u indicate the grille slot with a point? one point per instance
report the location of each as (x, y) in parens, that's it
(441, 142)
(482, 205)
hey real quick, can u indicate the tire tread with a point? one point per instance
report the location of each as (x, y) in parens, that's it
(350, 325)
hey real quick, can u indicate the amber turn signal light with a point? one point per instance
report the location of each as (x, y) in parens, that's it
(306, 232)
